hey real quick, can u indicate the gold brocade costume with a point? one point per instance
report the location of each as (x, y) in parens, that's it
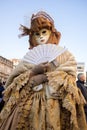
(57, 106)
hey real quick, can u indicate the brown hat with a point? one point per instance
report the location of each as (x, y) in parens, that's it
(38, 21)
(44, 15)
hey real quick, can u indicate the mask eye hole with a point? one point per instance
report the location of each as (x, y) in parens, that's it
(37, 34)
(43, 32)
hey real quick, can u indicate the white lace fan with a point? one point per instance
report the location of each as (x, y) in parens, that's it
(43, 53)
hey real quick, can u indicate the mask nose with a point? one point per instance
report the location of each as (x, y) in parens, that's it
(41, 36)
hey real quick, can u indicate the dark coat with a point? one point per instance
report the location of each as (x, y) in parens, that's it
(81, 86)
(1, 90)
(1, 97)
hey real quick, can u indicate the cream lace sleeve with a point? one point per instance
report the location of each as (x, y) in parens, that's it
(63, 79)
(67, 63)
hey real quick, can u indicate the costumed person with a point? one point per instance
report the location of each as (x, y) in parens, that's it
(41, 94)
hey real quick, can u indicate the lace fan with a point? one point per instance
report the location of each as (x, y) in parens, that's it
(43, 53)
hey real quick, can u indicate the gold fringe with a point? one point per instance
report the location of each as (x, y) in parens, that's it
(12, 93)
(66, 90)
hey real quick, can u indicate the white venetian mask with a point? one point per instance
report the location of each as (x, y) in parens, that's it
(42, 36)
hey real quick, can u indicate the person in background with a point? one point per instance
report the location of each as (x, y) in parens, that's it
(1, 96)
(81, 85)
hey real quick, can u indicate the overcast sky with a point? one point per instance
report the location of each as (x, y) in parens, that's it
(70, 19)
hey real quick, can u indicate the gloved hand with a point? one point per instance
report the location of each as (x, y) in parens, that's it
(40, 69)
(37, 80)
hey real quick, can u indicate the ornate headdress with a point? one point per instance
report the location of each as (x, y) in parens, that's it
(42, 14)
(38, 21)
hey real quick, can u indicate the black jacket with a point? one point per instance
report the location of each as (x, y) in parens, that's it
(1, 97)
(81, 86)
(1, 90)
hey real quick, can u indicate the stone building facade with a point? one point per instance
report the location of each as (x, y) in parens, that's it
(81, 67)
(6, 67)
